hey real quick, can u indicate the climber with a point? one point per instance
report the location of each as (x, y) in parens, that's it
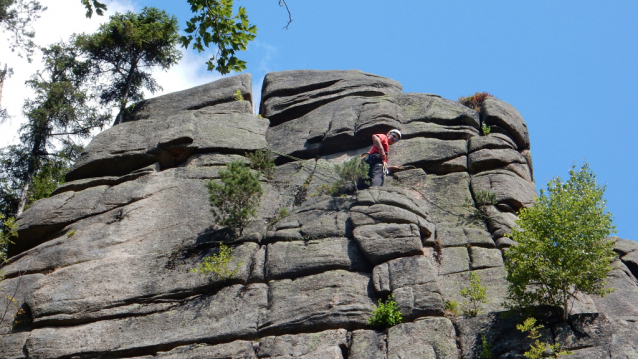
(377, 157)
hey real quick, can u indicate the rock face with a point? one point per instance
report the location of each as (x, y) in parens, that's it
(102, 268)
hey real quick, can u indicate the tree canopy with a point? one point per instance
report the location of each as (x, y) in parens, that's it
(61, 113)
(215, 23)
(125, 50)
(562, 246)
(16, 17)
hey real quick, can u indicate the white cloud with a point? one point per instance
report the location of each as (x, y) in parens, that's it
(189, 72)
(58, 23)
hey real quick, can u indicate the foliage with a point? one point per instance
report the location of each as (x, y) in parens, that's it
(474, 101)
(334, 189)
(262, 160)
(476, 294)
(281, 214)
(215, 23)
(124, 52)
(538, 349)
(353, 170)
(14, 166)
(561, 248)
(8, 231)
(93, 4)
(217, 264)
(237, 198)
(49, 177)
(481, 200)
(350, 173)
(16, 17)
(61, 113)
(484, 198)
(238, 96)
(486, 348)
(485, 129)
(452, 307)
(71, 233)
(385, 314)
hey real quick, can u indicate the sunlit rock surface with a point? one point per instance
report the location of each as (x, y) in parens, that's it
(101, 269)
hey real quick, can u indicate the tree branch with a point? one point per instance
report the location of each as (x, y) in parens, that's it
(290, 19)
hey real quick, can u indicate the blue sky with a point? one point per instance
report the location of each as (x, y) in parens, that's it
(569, 67)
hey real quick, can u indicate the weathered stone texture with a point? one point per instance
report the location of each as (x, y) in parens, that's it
(104, 264)
(218, 97)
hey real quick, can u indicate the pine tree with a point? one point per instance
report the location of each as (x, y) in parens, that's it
(125, 50)
(236, 199)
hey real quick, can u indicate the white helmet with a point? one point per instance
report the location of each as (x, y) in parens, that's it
(395, 132)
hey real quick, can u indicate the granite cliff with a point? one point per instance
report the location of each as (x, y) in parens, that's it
(102, 267)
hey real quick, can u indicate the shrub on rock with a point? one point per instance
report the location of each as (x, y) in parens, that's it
(237, 198)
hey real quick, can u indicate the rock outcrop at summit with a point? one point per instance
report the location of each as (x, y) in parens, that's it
(102, 268)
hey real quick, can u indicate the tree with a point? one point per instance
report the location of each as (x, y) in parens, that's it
(16, 17)
(93, 4)
(476, 294)
(237, 198)
(8, 230)
(125, 50)
(214, 23)
(61, 113)
(561, 248)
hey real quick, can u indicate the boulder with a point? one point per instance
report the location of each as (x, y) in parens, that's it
(448, 197)
(431, 154)
(420, 300)
(217, 96)
(429, 108)
(621, 302)
(431, 338)
(104, 264)
(227, 315)
(426, 129)
(624, 246)
(291, 259)
(495, 112)
(238, 349)
(287, 95)
(491, 159)
(327, 344)
(451, 236)
(12, 345)
(507, 187)
(488, 143)
(492, 278)
(102, 288)
(631, 261)
(132, 145)
(335, 299)
(485, 258)
(382, 242)
(160, 199)
(382, 213)
(500, 223)
(13, 293)
(402, 272)
(344, 124)
(409, 200)
(367, 344)
(454, 260)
